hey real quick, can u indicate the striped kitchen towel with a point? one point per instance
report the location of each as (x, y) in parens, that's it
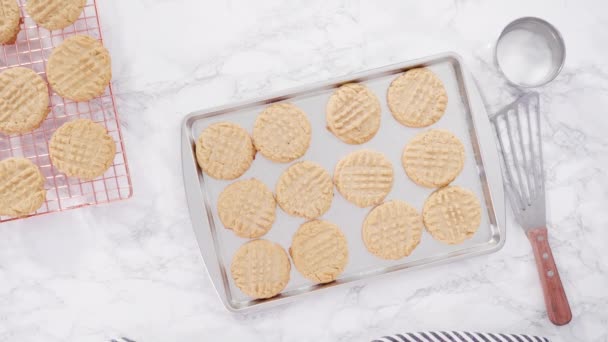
(459, 336)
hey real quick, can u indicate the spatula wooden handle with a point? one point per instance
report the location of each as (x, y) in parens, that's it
(556, 301)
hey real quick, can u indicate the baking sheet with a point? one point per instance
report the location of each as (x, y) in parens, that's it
(218, 245)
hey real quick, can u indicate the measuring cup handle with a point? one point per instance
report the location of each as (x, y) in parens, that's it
(558, 308)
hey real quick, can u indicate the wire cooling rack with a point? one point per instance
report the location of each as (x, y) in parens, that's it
(32, 50)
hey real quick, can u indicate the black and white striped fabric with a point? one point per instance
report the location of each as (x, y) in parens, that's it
(459, 336)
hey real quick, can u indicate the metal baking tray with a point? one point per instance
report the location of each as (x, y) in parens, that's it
(465, 116)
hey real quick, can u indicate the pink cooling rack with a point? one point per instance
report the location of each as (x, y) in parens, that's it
(32, 50)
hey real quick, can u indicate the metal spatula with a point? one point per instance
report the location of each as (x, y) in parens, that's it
(517, 128)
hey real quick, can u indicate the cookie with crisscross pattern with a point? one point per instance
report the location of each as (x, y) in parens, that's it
(247, 207)
(417, 98)
(319, 251)
(224, 150)
(80, 68)
(353, 113)
(282, 132)
(260, 269)
(82, 149)
(433, 158)
(392, 230)
(24, 100)
(452, 214)
(305, 189)
(364, 177)
(54, 14)
(21, 187)
(10, 20)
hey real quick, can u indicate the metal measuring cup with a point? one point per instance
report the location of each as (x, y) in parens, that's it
(530, 52)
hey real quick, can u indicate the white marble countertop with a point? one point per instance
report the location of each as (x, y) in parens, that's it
(133, 268)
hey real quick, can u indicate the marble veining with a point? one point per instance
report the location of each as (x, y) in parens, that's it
(133, 268)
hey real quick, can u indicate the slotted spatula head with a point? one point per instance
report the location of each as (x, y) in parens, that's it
(517, 128)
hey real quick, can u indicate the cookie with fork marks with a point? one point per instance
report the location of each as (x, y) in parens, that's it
(282, 132)
(260, 268)
(21, 187)
(82, 149)
(305, 189)
(434, 158)
(55, 14)
(10, 20)
(247, 207)
(392, 230)
(24, 100)
(319, 251)
(452, 214)
(224, 150)
(80, 68)
(417, 98)
(353, 113)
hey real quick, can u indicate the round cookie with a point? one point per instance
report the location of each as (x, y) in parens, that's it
(452, 214)
(353, 113)
(260, 269)
(10, 21)
(79, 69)
(282, 132)
(434, 158)
(54, 14)
(82, 149)
(224, 150)
(417, 98)
(24, 100)
(319, 251)
(305, 189)
(21, 187)
(364, 177)
(247, 207)
(392, 230)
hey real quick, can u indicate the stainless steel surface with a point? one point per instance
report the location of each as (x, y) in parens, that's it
(530, 52)
(465, 116)
(517, 127)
